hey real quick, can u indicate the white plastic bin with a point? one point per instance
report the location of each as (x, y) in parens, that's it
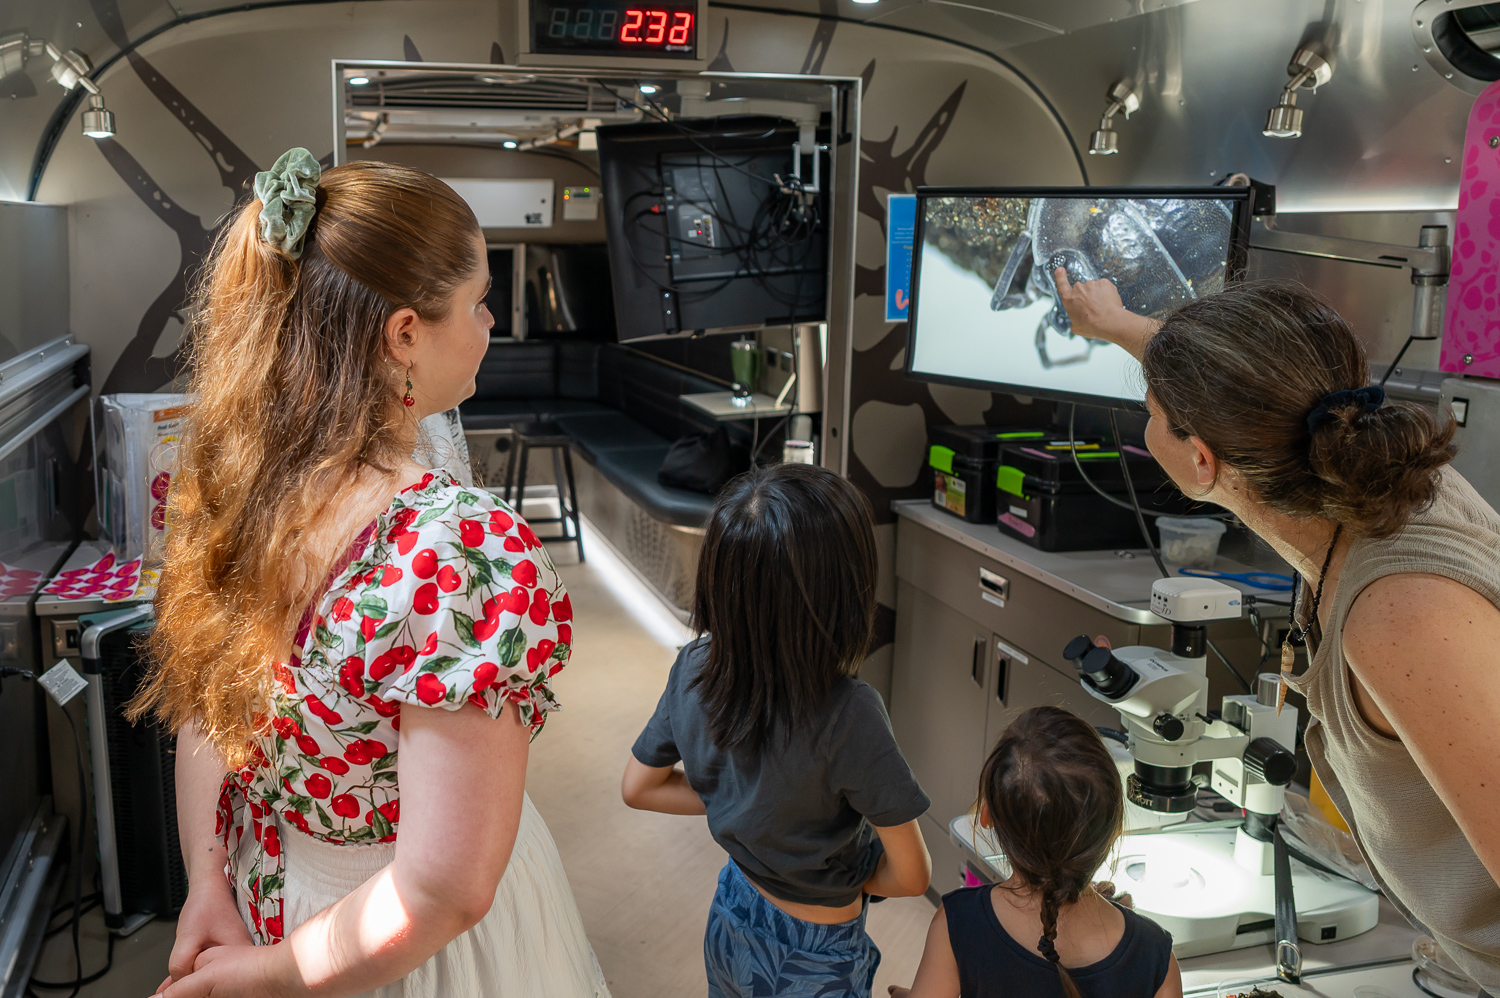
(1190, 543)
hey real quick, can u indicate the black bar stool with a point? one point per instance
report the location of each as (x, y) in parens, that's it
(544, 434)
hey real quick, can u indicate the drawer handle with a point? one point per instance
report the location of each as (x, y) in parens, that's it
(976, 667)
(993, 587)
(1002, 672)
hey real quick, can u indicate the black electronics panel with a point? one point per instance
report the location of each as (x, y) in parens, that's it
(666, 30)
(707, 228)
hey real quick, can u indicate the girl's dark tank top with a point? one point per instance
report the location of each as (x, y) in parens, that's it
(991, 964)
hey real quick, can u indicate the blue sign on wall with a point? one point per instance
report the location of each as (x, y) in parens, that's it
(900, 227)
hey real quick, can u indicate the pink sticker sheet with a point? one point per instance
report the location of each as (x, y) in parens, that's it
(1471, 327)
(105, 579)
(17, 581)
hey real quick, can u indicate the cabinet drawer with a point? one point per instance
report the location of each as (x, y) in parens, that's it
(939, 675)
(1034, 615)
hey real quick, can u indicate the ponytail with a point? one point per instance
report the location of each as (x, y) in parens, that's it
(294, 396)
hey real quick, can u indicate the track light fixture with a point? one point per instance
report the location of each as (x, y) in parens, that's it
(1308, 70)
(1105, 141)
(70, 69)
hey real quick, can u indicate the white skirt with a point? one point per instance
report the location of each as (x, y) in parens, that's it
(531, 943)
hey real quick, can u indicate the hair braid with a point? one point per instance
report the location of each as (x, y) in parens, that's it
(1047, 946)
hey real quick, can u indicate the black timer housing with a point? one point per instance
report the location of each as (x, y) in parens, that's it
(604, 33)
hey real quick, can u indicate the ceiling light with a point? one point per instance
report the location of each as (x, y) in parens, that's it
(509, 143)
(358, 81)
(647, 88)
(1105, 140)
(1307, 70)
(866, 1)
(98, 120)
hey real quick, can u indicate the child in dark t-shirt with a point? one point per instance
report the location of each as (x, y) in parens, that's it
(791, 758)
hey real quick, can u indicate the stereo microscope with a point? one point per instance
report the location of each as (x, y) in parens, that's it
(1211, 884)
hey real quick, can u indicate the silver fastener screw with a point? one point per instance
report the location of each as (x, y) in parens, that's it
(1468, 359)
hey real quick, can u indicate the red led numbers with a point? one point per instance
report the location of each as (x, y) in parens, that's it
(656, 27)
(630, 31)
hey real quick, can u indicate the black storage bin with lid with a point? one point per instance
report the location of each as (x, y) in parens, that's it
(963, 461)
(1044, 501)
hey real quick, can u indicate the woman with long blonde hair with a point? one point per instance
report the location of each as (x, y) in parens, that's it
(328, 607)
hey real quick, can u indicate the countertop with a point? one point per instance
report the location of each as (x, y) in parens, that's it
(1116, 582)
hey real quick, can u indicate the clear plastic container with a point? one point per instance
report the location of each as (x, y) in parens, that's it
(1190, 543)
(141, 433)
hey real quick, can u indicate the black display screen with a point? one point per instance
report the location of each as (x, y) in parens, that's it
(615, 27)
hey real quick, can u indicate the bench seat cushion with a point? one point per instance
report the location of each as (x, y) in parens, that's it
(633, 471)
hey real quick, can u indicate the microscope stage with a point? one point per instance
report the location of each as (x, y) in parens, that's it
(1187, 880)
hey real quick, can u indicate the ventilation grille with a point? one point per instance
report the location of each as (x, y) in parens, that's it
(461, 92)
(142, 776)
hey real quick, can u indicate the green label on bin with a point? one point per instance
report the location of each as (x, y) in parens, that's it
(1021, 435)
(1011, 480)
(940, 458)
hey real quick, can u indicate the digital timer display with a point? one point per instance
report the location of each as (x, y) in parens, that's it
(602, 27)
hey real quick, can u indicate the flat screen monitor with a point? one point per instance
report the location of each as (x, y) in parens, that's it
(984, 311)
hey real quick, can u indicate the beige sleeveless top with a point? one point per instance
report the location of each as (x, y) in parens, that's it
(1414, 847)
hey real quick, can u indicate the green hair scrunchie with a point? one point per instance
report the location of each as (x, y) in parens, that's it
(288, 192)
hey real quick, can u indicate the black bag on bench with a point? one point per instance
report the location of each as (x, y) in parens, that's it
(702, 462)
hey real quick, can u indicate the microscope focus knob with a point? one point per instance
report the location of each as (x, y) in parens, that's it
(1266, 760)
(1169, 727)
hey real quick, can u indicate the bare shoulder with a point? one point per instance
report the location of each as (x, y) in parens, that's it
(1399, 615)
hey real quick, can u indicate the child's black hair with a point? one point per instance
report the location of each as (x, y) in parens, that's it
(1054, 800)
(786, 593)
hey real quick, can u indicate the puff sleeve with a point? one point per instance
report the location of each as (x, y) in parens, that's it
(463, 606)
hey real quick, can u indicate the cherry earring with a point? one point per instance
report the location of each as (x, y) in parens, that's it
(407, 397)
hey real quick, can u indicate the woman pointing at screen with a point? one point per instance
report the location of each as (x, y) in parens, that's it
(1260, 403)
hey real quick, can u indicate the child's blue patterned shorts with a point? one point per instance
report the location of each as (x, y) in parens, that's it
(753, 949)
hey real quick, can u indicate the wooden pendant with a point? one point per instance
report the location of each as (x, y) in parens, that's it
(1288, 659)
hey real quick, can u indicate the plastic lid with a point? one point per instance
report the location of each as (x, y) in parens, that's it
(1195, 525)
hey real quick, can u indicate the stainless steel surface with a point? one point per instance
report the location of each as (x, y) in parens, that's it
(723, 407)
(104, 803)
(1475, 407)
(33, 275)
(1422, 17)
(1428, 261)
(23, 888)
(1378, 302)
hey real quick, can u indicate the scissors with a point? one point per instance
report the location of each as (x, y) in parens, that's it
(1273, 581)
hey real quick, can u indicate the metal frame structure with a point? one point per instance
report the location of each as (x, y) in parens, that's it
(843, 178)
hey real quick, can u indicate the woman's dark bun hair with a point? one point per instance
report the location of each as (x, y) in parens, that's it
(1242, 370)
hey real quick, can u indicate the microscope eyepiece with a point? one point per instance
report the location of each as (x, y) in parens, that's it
(1099, 667)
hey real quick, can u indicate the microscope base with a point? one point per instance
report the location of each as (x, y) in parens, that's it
(1189, 882)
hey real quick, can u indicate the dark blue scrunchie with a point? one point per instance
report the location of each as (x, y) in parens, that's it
(1368, 398)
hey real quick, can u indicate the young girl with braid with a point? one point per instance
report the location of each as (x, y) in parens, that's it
(1051, 795)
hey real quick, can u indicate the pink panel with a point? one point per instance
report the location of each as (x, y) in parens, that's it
(1471, 330)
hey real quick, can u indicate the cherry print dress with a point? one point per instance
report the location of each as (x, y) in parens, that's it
(447, 598)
